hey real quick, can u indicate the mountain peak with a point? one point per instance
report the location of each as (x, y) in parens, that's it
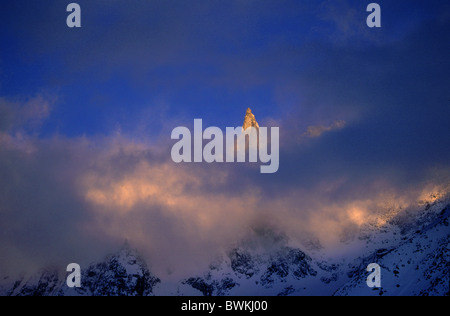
(249, 120)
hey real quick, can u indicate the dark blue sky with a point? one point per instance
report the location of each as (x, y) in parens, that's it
(212, 59)
(86, 116)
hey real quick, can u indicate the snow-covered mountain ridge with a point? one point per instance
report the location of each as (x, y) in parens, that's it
(412, 249)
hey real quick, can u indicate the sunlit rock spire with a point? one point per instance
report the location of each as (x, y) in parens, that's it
(249, 120)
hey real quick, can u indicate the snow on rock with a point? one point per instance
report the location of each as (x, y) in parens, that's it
(411, 247)
(121, 274)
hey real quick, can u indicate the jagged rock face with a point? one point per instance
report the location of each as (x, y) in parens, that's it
(121, 274)
(249, 120)
(276, 267)
(413, 262)
(261, 264)
(45, 283)
(212, 287)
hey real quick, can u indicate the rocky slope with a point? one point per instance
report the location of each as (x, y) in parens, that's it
(121, 274)
(418, 265)
(411, 247)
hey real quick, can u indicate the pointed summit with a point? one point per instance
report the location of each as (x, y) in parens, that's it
(249, 120)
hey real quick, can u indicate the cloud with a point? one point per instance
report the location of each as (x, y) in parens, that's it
(77, 199)
(29, 114)
(68, 199)
(317, 130)
(347, 19)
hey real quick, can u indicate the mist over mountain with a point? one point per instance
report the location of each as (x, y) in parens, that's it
(359, 167)
(412, 248)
